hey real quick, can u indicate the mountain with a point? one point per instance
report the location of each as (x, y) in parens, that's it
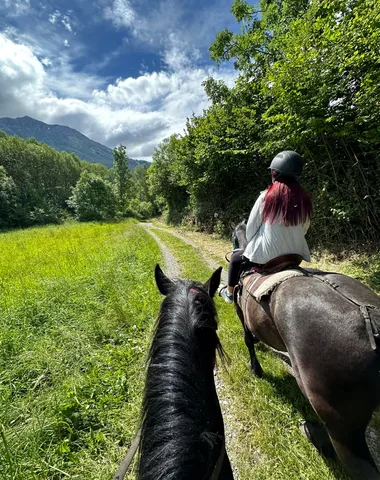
(62, 139)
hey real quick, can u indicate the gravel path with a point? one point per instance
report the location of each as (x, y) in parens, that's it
(172, 270)
(171, 266)
(209, 262)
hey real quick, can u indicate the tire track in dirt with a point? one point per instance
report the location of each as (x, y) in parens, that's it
(172, 269)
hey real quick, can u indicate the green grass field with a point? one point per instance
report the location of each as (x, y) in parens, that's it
(77, 304)
(77, 307)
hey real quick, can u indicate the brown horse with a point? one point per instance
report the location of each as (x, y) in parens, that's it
(333, 350)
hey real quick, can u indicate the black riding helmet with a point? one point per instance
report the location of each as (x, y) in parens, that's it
(287, 163)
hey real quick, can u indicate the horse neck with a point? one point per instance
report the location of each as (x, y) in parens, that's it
(241, 237)
(180, 407)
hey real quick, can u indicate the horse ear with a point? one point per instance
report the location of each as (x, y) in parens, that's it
(162, 281)
(232, 227)
(212, 284)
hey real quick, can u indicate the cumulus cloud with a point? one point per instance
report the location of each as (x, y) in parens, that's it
(139, 112)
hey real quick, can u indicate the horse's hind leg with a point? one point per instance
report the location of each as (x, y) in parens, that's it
(346, 417)
(250, 341)
(353, 452)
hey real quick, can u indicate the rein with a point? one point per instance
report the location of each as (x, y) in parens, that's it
(219, 463)
(127, 460)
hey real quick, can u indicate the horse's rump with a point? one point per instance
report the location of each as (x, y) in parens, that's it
(340, 293)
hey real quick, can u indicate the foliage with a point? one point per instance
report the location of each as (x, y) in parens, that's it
(8, 200)
(42, 179)
(165, 180)
(122, 177)
(142, 204)
(93, 198)
(309, 80)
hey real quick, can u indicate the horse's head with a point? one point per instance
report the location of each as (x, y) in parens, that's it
(197, 299)
(239, 239)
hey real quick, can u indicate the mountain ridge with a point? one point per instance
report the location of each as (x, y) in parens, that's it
(62, 138)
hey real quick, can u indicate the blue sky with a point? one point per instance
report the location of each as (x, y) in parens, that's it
(119, 71)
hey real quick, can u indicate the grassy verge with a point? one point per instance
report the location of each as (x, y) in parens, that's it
(76, 303)
(267, 412)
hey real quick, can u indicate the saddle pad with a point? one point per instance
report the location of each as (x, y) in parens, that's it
(259, 285)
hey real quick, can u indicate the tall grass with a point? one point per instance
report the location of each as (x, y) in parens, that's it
(77, 303)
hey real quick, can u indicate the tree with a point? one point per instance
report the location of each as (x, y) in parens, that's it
(141, 203)
(8, 200)
(165, 179)
(122, 177)
(92, 198)
(309, 80)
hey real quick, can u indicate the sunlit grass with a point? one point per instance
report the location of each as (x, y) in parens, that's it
(77, 304)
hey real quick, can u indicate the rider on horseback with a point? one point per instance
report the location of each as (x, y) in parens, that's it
(277, 223)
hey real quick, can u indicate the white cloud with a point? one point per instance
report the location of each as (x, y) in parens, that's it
(139, 112)
(121, 13)
(17, 7)
(54, 17)
(46, 62)
(66, 23)
(66, 42)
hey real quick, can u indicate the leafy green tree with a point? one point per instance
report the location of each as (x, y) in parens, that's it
(165, 179)
(141, 203)
(43, 178)
(122, 177)
(93, 198)
(8, 200)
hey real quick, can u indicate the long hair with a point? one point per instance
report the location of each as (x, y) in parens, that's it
(286, 201)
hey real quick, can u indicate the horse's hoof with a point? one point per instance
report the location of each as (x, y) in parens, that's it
(256, 371)
(318, 436)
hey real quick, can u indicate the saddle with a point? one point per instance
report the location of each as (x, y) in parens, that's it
(263, 279)
(276, 265)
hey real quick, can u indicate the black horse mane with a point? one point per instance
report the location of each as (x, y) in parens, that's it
(180, 403)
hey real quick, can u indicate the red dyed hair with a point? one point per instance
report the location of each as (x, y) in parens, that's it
(287, 200)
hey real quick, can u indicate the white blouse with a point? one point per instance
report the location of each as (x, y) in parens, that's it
(267, 241)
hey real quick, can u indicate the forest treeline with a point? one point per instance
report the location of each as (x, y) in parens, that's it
(308, 80)
(39, 185)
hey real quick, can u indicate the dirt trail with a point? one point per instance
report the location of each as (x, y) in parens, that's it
(172, 269)
(209, 262)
